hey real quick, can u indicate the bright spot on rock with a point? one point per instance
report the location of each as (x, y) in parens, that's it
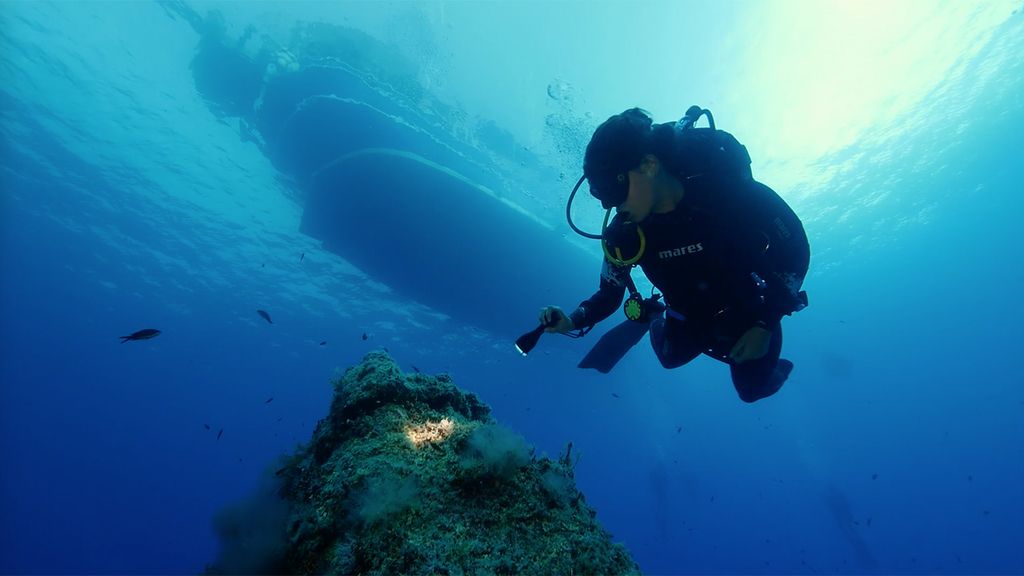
(429, 431)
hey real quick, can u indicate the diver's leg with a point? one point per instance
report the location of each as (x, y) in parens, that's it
(673, 342)
(757, 379)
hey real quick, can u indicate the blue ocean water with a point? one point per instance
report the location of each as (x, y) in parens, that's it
(140, 189)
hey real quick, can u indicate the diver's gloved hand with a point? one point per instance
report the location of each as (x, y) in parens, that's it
(555, 319)
(752, 345)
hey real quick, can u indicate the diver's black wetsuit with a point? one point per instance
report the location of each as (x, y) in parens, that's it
(730, 255)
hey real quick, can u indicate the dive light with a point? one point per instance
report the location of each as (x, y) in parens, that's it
(527, 341)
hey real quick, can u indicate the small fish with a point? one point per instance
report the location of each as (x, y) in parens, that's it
(279, 419)
(415, 368)
(679, 429)
(616, 395)
(365, 336)
(874, 476)
(869, 521)
(219, 434)
(269, 400)
(301, 257)
(263, 314)
(324, 343)
(207, 426)
(144, 334)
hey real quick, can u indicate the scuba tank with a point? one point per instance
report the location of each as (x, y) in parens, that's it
(705, 152)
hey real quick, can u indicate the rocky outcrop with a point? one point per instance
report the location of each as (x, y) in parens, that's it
(408, 474)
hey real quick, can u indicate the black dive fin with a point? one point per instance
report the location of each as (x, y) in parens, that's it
(613, 346)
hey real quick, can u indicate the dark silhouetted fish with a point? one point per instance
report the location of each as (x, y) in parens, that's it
(144, 334)
(207, 426)
(838, 505)
(220, 433)
(302, 257)
(324, 343)
(615, 395)
(365, 336)
(263, 314)
(269, 400)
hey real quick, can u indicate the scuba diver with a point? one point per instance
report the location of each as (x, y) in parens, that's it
(727, 253)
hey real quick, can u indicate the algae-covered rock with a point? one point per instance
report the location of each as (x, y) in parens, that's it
(410, 475)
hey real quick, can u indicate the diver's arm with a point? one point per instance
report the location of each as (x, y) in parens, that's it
(779, 253)
(605, 301)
